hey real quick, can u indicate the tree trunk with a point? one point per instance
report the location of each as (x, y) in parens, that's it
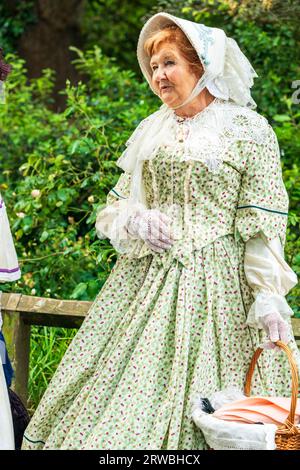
(45, 44)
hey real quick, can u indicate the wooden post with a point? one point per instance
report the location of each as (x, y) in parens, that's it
(18, 345)
(21, 357)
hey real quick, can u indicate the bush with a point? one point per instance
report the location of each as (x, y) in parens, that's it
(58, 168)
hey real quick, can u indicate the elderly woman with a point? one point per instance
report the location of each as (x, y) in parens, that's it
(198, 218)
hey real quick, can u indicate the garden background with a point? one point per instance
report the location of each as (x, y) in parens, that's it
(75, 94)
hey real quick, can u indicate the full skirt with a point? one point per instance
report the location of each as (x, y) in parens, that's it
(161, 330)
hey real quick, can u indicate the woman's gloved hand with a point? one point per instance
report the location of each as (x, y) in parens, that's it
(152, 226)
(276, 328)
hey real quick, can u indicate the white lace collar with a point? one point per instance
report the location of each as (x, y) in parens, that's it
(211, 132)
(207, 135)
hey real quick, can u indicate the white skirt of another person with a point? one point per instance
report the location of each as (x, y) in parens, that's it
(9, 268)
(7, 440)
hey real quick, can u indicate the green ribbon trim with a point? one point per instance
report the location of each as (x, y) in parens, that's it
(34, 442)
(263, 208)
(119, 195)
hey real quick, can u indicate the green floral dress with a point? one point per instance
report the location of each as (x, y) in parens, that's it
(166, 326)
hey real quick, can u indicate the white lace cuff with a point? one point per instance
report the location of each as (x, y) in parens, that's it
(111, 223)
(265, 303)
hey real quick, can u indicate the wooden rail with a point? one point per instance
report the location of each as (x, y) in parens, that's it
(21, 311)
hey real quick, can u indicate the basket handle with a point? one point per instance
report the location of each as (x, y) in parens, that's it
(295, 380)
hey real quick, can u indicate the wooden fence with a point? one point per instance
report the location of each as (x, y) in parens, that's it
(21, 311)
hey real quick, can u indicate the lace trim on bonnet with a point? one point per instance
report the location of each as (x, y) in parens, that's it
(213, 131)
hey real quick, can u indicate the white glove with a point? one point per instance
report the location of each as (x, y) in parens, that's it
(152, 226)
(276, 328)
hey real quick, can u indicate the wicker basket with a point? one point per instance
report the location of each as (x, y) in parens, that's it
(287, 436)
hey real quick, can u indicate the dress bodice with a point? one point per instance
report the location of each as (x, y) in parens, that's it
(201, 203)
(215, 174)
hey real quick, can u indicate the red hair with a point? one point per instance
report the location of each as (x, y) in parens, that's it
(173, 34)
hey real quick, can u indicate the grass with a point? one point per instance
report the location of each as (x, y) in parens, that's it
(47, 347)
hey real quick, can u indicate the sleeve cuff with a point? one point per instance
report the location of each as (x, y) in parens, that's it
(265, 303)
(111, 223)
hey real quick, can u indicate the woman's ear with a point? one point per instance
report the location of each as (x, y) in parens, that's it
(197, 70)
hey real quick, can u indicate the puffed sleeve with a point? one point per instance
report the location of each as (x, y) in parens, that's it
(263, 200)
(270, 278)
(112, 218)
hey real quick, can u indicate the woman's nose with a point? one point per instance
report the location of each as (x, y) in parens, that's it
(160, 74)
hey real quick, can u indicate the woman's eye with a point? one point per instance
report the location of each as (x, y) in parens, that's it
(154, 67)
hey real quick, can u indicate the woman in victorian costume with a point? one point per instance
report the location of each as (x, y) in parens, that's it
(9, 271)
(198, 218)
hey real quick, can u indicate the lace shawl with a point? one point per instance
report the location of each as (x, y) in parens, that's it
(211, 133)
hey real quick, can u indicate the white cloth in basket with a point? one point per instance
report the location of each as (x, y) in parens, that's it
(224, 435)
(229, 435)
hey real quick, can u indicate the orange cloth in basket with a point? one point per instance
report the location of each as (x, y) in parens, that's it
(272, 410)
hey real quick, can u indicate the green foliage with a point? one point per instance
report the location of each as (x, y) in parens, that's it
(58, 167)
(288, 132)
(114, 26)
(14, 19)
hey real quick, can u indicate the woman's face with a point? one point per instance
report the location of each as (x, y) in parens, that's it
(172, 77)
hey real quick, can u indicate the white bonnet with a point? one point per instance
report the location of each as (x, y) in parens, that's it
(227, 72)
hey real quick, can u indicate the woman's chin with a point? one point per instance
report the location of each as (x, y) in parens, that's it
(169, 100)
(171, 103)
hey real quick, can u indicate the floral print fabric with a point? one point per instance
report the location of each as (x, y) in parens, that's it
(166, 326)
